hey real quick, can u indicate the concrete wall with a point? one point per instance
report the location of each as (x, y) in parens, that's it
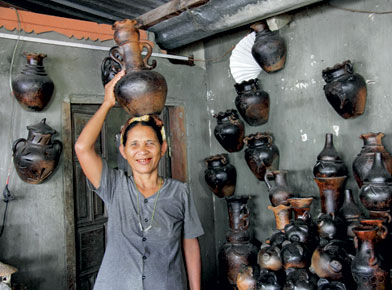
(300, 115)
(34, 236)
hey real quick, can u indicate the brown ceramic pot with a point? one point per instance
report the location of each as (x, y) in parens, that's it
(345, 90)
(33, 88)
(229, 131)
(280, 192)
(330, 189)
(372, 143)
(36, 158)
(300, 205)
(282, 215)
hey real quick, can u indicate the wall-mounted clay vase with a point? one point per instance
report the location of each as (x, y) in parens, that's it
(372, 143)
(140, 91)
(252, 102)
(229, 131)
(261, 154)
(280, 192)
(220, 175)
(345, 90)
(33, 88)
(269, 49)
(36, 158)
(329, 163)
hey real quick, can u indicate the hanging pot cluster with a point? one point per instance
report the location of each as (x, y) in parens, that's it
(32, 87)
(36, 158)
(345, 90)
(140, 91)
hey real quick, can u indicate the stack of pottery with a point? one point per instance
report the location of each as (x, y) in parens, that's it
(229, 131)
(330, 174)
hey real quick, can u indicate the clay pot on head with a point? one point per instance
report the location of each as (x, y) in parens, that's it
(329, 163)
(252, 102)
(220, 175)
(229, 131)
(280, 192)
(36, 158)
(33, 88)
(372, 143)
(140, 91)
(269, 49)
(261, 154)
(345, 90)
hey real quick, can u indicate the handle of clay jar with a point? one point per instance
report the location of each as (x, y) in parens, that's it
(384, 232)
(59, 144)
(15, 144)
(114, 58)
(266, 175)
(147, 57)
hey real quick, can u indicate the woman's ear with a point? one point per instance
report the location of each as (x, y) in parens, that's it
(163, 148)
(122, 151)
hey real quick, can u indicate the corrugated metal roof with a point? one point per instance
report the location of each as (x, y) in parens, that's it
(100, 11)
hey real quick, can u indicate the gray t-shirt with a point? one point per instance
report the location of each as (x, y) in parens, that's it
(152, 260)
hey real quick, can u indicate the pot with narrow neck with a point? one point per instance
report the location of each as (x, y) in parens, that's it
(280, 192)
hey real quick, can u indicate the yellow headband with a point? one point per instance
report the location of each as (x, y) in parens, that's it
(144, 118)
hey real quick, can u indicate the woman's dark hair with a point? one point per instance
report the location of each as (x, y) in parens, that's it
(154, 122)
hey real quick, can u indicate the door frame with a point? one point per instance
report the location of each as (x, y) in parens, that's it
(177, 152)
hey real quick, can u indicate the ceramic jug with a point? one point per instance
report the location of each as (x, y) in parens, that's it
(280, 192)
(229, 131)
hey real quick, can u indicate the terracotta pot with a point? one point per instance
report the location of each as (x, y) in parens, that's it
(269, 49)
(246, 279)
(33, 88)
(300, 205)
(282, 215)
(252, 102)
(330, 192)
(367, 267)
(36, 158)
(376, 192)
(329, 163)
(372, 143)
(280, 192)
(229, 131)
(345, 90)
(269, 258)
(140, 91)
(261, 154)
(220, 175)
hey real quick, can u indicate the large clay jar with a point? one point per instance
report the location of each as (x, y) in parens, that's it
(261, 154)
(269, 49)
(229, 131)
(280, 192)
(372, 143)
(36, 158)
(367, 267)
(140, 91)
(376, 192)
(345, 90)
(238, 249)
(252, 102)
(329, 163)
(330, 189)
(220, 175)
(33, 88)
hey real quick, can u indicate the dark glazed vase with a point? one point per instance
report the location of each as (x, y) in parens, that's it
(346, 91)
(350, 212)
(269, 49)
(36, 158)
(33, 88)
(229, 131)
(330, 192)
(280, 192)
(140, 91)
(367, 267)
(261, 154)
(252, 102)
(372, 143)
(329, 163)
(376, 192)
(220, 175)
(238, 249)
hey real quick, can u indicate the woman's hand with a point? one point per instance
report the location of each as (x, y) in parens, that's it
(109, 89)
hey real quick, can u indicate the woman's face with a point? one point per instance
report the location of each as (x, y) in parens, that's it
(143, 150)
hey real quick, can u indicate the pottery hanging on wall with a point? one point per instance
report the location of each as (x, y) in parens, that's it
(229, 131)
(33, 88)
(220, 175)
(261, 154)
(252, 102)
(36, 158)
(345, 90)
(140, 91)
(372, 143)
(269, 49)
(329, 163)
(280, 192)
